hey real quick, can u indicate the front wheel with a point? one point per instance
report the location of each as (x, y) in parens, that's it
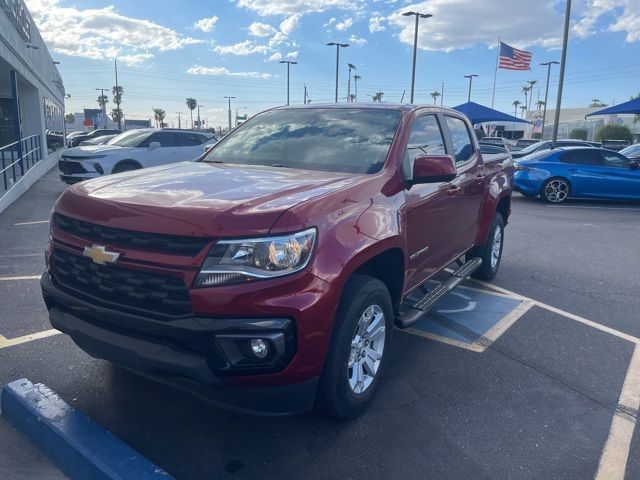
(361, 336)
(555, 190)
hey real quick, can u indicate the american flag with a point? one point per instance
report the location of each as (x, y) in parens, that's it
(514, 59)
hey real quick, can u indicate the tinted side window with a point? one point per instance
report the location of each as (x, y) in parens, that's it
(582, 157)
(165, 139)
(614, 160)
(462, 144)
(425, 139)
(191, 139)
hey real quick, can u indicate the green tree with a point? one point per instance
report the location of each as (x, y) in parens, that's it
(595, 102)
(435, 96)
(192, 103)
(636, 117)
(516, 104)
(378, 97)
(69, 118)
(102, 101)
(159, 114)
(614, 131)
(579, 133)
(118, 93)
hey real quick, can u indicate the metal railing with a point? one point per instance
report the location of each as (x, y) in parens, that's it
(17, 158)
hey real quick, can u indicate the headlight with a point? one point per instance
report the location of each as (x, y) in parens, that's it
(241, 261)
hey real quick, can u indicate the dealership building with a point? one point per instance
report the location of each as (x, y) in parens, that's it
(31, 102)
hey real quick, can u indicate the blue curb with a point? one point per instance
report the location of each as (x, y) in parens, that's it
(76, 444)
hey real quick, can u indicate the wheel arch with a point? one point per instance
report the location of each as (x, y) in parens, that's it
(124, 161)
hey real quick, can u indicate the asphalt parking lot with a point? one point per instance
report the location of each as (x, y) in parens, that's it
(535, 377)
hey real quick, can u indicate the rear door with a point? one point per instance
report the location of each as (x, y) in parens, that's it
(427, 207)
(191, 145)
(467, 191)
(585, 170)
(621, 181)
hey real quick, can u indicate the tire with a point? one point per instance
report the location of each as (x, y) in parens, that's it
(340, 393)
(555, 190)
(491, 256)
(126, 166)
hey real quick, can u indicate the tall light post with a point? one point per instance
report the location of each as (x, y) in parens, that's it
(338, 46)
(563, 61)
(199, 123)
(356, 77)
(546, 95)
(470, 77)
(229, 111)
(289, 63)
(179, 122)
(415, 46)
(351, 67)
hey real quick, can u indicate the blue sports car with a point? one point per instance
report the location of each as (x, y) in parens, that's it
(578, 172)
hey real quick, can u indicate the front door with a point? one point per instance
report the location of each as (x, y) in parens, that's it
(621, 181)
(427, 210)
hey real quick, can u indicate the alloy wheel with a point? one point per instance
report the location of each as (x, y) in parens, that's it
(556, 190)
(367, 348)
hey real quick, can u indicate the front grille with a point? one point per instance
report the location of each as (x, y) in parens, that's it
(163, 295)
(173, 244)
(70, 168)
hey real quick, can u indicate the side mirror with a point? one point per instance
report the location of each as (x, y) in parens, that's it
(634, 164)
(154, 145)
(433, 169)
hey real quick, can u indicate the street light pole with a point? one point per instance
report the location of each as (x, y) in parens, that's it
(563, 61)
(546, 95)
(338, 46)
(179, 123)
(229, 111)
(415, 46)
(470, 77)
(199, 124)
(289, 63)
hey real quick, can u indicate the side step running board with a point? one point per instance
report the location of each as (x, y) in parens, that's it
(431, 298)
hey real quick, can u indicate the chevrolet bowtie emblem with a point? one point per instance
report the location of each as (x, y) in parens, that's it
(100, 255)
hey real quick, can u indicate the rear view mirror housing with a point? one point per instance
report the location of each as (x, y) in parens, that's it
(433, 169)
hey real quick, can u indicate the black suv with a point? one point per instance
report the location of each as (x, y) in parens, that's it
(75, 141)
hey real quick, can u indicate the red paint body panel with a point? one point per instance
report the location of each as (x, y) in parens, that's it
(356, 216)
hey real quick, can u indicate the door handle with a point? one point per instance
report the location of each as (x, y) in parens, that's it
(453, 191)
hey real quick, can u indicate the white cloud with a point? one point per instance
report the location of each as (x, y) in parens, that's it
(357, 41)
(277, 39)
(135, 59)
(292, 54)
(375, 23)
(221, 71)
(275, 57)
(100, 33)
(289, 24)
(258, 29)
(287, 7)
(248, 47)
(206, 24)
(345, 24)
(331, 21)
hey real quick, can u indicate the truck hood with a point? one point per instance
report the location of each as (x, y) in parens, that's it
(198, 198)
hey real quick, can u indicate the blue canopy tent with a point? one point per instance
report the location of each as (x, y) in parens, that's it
(481, 114)
(630, 107)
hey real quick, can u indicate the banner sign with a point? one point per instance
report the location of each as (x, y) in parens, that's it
(17, 12)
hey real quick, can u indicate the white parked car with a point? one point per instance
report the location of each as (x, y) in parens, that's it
(132, 150)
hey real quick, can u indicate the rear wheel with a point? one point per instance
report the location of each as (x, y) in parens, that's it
(356, 357)
(491, 251)
(555, 190)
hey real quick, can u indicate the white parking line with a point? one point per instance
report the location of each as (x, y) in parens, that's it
(24, 277)
(613, 461)
(36, 222)
(10, 342)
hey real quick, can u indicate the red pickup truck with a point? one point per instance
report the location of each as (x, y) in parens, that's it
(268, 275)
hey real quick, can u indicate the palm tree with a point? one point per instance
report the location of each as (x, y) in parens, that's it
(159, 114)
(378, 97)
(102, 101)
(118, 93)
(531, 84)
(516, 104)
(356, 77)
(435, 96)
(192, 103)
(525, 89)
(352, 97)
(524, 109)
(540, 104)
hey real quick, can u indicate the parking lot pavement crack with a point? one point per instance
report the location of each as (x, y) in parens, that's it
(617, 409)
(584, 293)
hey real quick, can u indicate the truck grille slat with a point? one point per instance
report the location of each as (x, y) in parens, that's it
(164, 295)
(164, 243)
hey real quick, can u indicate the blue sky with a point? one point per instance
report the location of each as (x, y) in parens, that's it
(208, 49)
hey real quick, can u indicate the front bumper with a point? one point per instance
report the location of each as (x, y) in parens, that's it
(188, 353)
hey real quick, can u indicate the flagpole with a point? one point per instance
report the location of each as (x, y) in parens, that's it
(495, 75)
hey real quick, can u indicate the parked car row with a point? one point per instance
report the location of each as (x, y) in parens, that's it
(131, 150)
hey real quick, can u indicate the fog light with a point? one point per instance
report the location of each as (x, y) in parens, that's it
(258, 347)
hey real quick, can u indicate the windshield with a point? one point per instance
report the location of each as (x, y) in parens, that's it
(533, 147)
(353, 140)
(132, 138)
(496, 140)
(631, 150)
